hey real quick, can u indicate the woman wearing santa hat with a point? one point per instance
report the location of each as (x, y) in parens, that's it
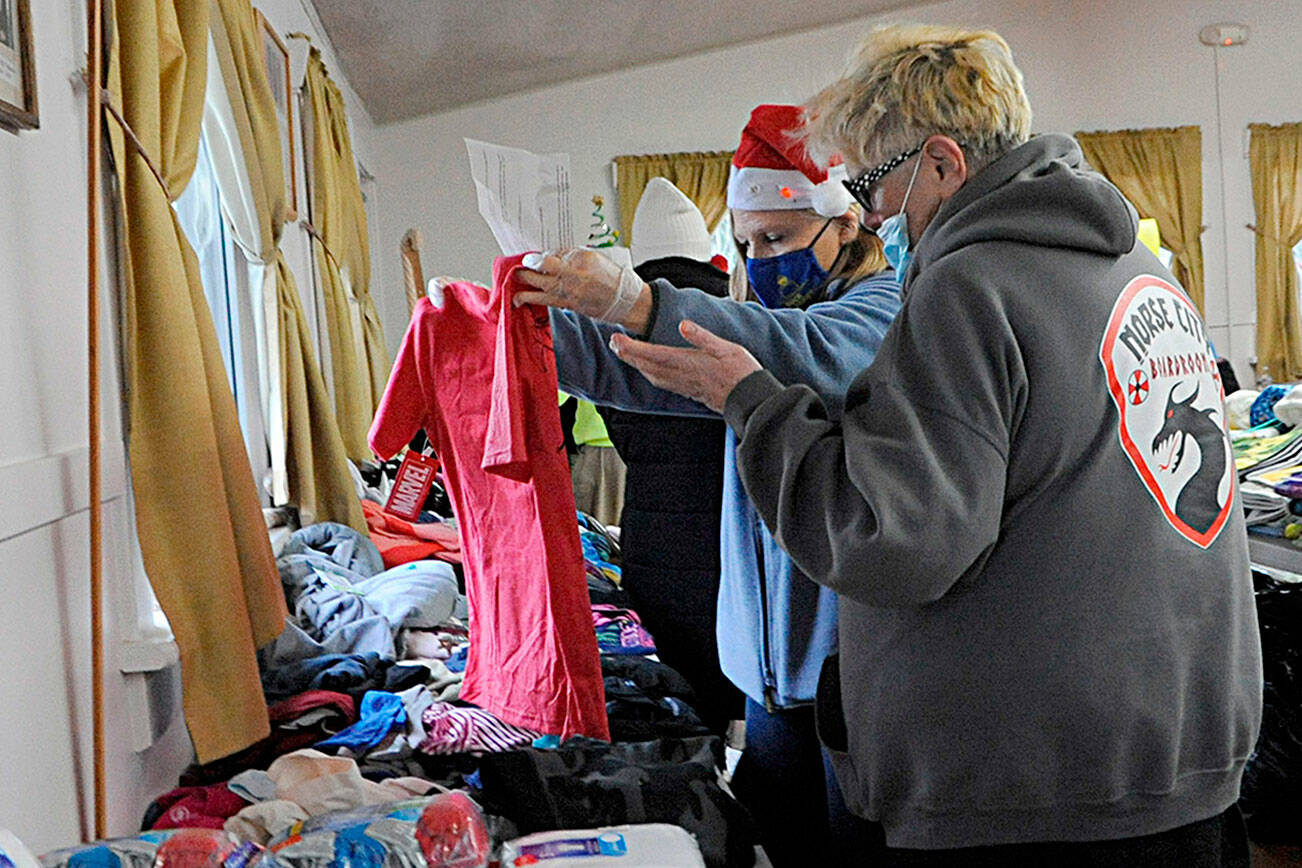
(820, 298)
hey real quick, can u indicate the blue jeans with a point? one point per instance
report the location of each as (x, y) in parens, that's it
(786, 782)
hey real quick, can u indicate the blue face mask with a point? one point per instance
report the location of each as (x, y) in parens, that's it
(894, 233)
(789, 279)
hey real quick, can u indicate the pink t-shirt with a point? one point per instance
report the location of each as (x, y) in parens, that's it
(479, 375)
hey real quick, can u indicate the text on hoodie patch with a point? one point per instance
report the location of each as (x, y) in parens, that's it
(1170, 403)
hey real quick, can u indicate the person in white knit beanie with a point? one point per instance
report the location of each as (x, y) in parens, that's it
(667, 223)
(812, 293)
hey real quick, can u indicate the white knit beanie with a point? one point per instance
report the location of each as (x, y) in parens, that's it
(667, 223)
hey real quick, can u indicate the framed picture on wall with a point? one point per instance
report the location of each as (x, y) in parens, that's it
(17, 67)
(276, 55)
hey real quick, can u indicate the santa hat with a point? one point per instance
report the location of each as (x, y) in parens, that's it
(772, 171)
(667, 223)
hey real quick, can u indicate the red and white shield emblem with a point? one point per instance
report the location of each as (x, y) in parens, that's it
(1163, 379)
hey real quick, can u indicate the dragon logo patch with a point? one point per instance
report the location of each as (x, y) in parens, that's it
(1163, 379)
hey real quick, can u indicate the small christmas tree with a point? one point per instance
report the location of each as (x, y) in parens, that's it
(600, 234)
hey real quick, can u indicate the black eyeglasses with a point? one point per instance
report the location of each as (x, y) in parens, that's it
(858, 187)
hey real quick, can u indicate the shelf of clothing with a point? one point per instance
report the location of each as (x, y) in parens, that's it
(1275, 553)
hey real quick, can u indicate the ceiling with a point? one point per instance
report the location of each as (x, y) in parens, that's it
(407, 58)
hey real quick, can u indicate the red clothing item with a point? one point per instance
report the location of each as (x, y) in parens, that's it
(288, 735)
(198, 807)
(479, 375)
(401, 541)
(289, 710)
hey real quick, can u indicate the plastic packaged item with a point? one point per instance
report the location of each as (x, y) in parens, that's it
(13, 854)
(647, 845)
(452, 833)
(135, 852)
(446, 830)
(167, 848)
(208, 848)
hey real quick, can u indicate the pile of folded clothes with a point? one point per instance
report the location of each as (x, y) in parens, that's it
(1268, 458)
(368, 731)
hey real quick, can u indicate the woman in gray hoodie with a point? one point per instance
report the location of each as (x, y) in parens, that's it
(1048, 643)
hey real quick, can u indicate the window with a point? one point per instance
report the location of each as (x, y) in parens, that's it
(200, 215)
(228, 277)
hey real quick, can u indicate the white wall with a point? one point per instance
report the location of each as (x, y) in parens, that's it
(45, 693)
(1089, 64)
(45, 735)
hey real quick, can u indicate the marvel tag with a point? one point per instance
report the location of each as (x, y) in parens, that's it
(411, 485)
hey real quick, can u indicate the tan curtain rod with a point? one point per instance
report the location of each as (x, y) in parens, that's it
(320, 239)
(94, 157)
(1279, 242)
(106, 100)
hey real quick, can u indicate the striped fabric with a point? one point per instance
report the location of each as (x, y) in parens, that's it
(453, 729)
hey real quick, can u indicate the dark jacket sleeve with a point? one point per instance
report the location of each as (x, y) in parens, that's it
(893, 504)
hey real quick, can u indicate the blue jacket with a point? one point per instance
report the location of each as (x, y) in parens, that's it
(775, 626)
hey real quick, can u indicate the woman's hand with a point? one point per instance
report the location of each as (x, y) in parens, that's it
(707, 371)
(589, 283)
(435, 287)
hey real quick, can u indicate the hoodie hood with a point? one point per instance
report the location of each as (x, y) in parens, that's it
(1042, 193)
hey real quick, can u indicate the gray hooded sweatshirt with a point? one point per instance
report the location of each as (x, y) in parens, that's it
(1029, 512)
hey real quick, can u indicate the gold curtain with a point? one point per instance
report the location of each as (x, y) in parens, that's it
(315, 457)
(1275, 155)
(1161, 172)
(202, 535)
(357, 350)
(701, 175)
(316, 464)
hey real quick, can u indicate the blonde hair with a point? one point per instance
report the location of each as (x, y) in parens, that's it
(859, 257)
(908, 82)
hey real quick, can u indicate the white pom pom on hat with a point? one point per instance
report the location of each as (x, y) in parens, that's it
(831, 198)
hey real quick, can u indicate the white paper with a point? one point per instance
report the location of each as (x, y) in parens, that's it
(524, 197)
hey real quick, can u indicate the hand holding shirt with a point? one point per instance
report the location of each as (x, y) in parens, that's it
(586, 282)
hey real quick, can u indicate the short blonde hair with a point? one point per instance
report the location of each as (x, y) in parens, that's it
(908, 82)
(860, 257)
